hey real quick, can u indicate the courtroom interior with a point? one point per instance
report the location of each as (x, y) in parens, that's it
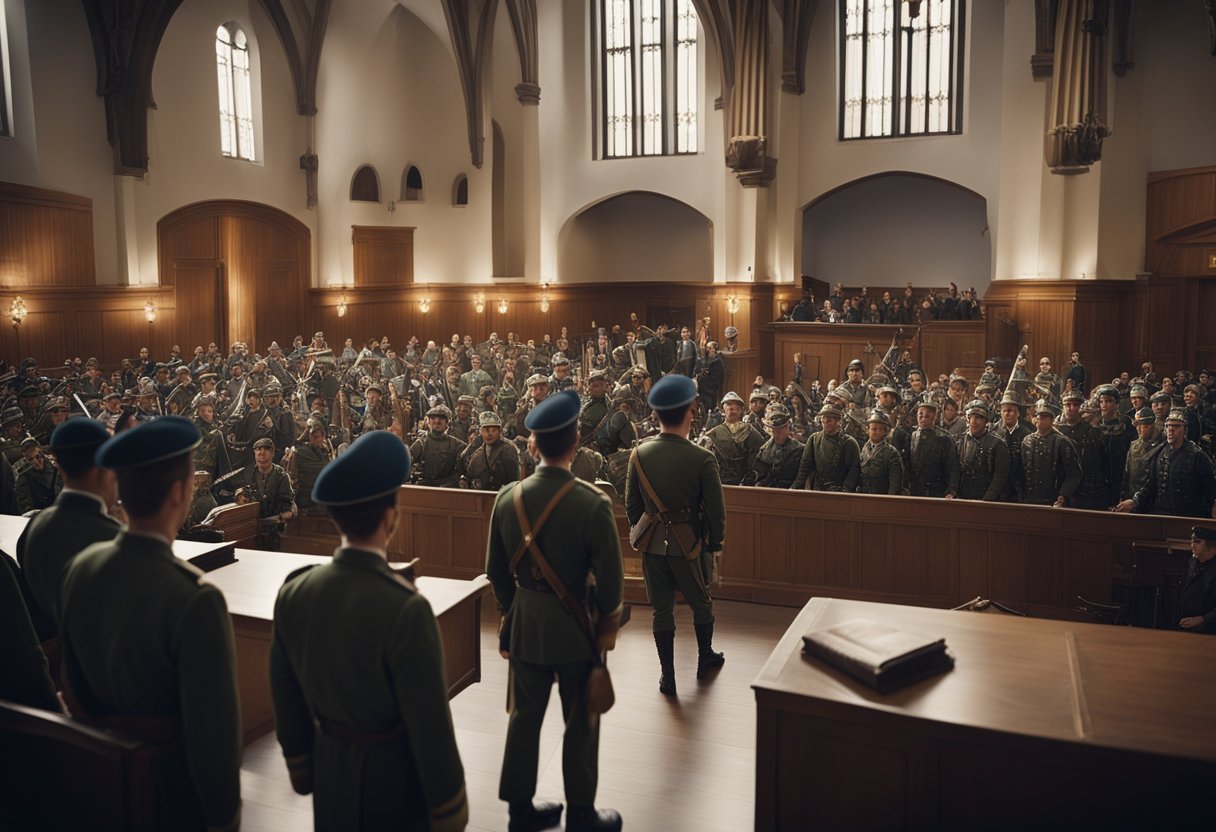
(864, 351)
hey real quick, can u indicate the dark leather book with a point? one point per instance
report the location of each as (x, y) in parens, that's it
(884, 658)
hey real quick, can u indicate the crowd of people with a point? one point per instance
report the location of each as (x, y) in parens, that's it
(907, 308)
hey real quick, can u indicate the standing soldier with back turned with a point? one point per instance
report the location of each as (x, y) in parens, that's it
(673, 499)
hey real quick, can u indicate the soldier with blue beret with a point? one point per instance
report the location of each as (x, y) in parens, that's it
(674, 486)
(356, 666)
(121, 602)
(574, 531)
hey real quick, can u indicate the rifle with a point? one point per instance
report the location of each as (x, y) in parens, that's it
(76, 396)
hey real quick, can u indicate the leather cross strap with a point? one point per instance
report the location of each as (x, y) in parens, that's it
(529, 543)
(646, 486)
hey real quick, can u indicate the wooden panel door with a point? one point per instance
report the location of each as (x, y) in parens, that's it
(200, 299)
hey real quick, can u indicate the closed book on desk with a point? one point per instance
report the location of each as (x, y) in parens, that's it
(884, 658)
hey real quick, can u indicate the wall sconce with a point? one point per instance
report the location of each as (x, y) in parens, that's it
(150, 312)
(479, 302)
(16, 314)
(342, 307)
(502, 306)
(424, 305)
(732, 304)
(544, 298)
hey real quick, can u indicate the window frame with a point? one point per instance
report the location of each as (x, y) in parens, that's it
(6, 99)
(233, 28)
(900, 78)
(669, 78)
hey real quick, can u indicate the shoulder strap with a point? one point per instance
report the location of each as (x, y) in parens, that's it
(530, 532)
(551, 577)
(636, 462)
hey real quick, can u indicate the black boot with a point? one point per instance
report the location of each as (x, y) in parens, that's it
(707, 659)
(534, 816)
(666, 644)
(588, 819)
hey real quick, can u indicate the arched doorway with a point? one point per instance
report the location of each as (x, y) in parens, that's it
(240, 270)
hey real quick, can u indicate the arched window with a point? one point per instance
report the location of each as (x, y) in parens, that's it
(460, 190)
(411, 184)
(647, 62)
(236, 97)
(901, 70)
(365, 185)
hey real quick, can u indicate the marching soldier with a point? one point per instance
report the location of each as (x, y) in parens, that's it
(674, 488)
(831, 459)
(124, 603)
(307, 461)
(1180, 478)
(776, 464)
(356, 667)
(881, 468)
(983, 458)
(596, 411)
(436, 454)
(492, 463)
(547, 529)
(269, 487)
(1050, 470)
(1012, 429)
(1135, 469)
(735, 443)
(932, 456)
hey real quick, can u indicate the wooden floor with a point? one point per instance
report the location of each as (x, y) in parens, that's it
(686, 764)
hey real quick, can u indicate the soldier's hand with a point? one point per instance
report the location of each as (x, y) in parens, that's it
(1125, 506)
(1191, 622)
(1059, 503)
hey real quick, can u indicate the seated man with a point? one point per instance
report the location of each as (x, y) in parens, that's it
(1199, 587)
(124, 602)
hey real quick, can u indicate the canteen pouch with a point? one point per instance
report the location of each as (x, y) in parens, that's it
(600, 695)
(641, 532)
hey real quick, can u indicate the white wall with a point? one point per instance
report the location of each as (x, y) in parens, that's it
(892, 229)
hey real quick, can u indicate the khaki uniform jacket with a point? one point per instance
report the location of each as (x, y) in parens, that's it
(933, 463)
(983, 467)
(490, 467)
(882, 470)
(580, 537)
(829, 463)
(436, 459)
(736, 453)
(1049, 468)
(1135, 471)
(776, 465)
(357, 650)
(144, 635)
(685, 476)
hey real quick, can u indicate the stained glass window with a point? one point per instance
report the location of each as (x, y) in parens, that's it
(901, 73)
(236, 97)
(649, 77)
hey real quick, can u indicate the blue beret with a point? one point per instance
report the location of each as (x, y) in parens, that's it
(375, 465)
(554, 413)
(153, 441)
(671, 391)
(78, 433)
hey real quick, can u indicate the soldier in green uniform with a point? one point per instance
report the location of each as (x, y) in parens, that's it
(932, 456)
(202, 502)
(282, 423)
(493, 462)
(776, 464)
(881, 467)
(269, 487)
(831, 460)
(1098, 489)
(1180, 478)
(1048, 381)
(436, 454)
(305, 464)
(596, 411)
(684, 539)
(11, 433)
(356, 667)
(983, 458)
(461, 424)
(1050, 471)
(147, 643)
(38, 481)
(856, 394)
(588, 464)
(1135, 469)
(26, 679)
(538, 390)
(78, 518)
(1119, 431)
(573, 527)
(756, 407)
(211, 454)
(1012, 429)
(734, 442)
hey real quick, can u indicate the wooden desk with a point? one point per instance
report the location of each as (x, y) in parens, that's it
(206, 556)
(251, 585)
(1039, 722)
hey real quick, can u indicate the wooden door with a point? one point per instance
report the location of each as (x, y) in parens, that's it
(201, 317)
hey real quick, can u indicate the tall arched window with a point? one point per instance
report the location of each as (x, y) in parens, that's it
(236, 97)
(647, 63)
(901, 70)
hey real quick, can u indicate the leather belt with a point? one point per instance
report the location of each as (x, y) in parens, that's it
(353, 736)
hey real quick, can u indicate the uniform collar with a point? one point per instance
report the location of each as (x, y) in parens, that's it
(145, 540)
(361, 556)
(553, 472)
(83, 499)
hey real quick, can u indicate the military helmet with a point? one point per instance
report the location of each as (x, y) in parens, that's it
(776, 415)
(1145, 416)
(273, 389)
(487, 390)
(624, 393)
(928, 402)
(731, 332)
(597, 375)
(829, 410)
(559, 360)
(1073, 396)
(732, 396)
(11, 414)
(1161, 396)
(856, 364)
(886, 388)
(1176, 416)
(1010, 398)
(978, 407)
(843, 394)
(439, 410)
(58, 403)
(1042, 406)
(489, 419)
(958, 380)
(1090, 405)
(535, 379)
(1106, 390)
(880, 417)
(466, 399)
(1139, 390)
(373, 386)
(758, 395)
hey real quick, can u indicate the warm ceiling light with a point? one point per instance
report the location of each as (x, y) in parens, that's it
(424, 305)
(479, 302)
(17, 311)
(502, 306)
(342, 307)
(150, 312)
(732, 304)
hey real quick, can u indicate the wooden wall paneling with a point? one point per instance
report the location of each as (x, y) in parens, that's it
(46, 238)
(945, 345)
(383, 255)
(810, 559)
(1096, 318)
(741, 370)
(199, 294)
